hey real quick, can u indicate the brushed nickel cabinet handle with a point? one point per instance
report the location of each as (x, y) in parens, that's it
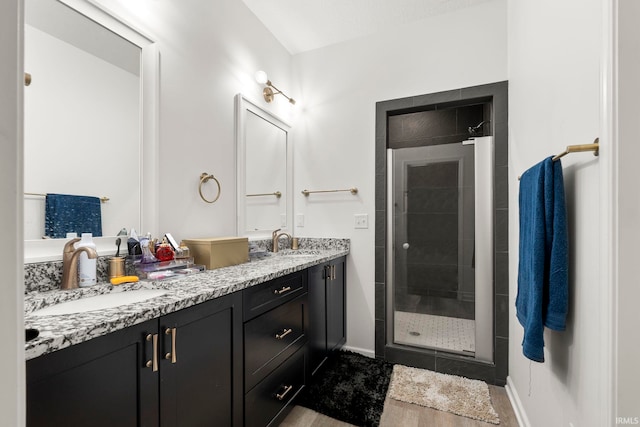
(284, 333)
(333, 272)
(173, 356)
(153, 363)
(282, 291)
(287, 389)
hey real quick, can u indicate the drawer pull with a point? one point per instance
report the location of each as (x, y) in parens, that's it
(153, 363)
(281, 291)
(287, 389)
(284, 333)
(172, 356)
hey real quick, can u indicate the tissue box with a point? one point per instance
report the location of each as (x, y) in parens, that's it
(217, 252)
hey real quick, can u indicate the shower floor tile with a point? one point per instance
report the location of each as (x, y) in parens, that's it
(439, 332)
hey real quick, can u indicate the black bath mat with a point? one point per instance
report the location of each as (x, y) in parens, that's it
(349, 387)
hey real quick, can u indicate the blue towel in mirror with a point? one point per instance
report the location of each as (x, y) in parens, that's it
(543, 272)
(65, 213)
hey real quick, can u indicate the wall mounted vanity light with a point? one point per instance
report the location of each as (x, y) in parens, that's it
(268, 92)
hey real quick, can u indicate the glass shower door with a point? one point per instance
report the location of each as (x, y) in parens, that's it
(433, 247)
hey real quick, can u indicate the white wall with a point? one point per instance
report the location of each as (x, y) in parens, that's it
(209, 51)
(334, 134)
(12, 389)
(628, 315)
(554, 101)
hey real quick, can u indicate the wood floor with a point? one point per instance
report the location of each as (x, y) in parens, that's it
(403, 414)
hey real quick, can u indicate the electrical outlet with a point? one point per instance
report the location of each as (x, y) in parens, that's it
(299, 220)
(361, 220)
(283, 220)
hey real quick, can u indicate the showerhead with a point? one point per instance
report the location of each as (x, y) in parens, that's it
(473, 130)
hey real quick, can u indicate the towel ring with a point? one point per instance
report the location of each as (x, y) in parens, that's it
(204, 177)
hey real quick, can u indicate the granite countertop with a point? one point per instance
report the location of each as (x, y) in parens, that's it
(59, 331)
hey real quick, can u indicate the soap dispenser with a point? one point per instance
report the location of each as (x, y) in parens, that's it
(86, 266)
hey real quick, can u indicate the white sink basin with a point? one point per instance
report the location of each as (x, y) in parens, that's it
(100, 302)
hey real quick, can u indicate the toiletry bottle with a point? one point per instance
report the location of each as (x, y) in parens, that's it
(164, 251)
(183, 251)
(86, 266)
(147, 255)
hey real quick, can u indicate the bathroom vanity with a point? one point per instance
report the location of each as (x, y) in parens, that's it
(231, 346)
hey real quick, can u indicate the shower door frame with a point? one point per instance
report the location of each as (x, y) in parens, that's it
(483, 237)
(419, 160)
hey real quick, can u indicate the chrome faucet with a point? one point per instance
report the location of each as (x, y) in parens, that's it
(276, 237)
(70, 263)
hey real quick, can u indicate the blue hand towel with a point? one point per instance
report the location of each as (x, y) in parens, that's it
(65, 213)
(543, 279)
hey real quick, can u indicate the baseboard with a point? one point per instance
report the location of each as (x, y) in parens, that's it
(516, 403)
(362, 351)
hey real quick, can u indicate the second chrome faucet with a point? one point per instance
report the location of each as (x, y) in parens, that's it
(275, 237)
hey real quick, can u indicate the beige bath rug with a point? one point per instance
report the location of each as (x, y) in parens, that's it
(458, 395)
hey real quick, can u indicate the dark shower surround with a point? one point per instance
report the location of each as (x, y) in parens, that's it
(434, 119)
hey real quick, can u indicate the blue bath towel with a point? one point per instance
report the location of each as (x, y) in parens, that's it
(65, 213)
(543, 279)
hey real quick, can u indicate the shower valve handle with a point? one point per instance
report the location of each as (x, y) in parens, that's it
(405, 246)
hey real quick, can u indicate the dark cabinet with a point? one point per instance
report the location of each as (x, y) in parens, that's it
(181, 369)
(200, 374)
(101, 382)
(275, 335)
(327, 310)
(240, 359)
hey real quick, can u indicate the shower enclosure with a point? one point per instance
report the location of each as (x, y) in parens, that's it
(442, 232)
(440, 247)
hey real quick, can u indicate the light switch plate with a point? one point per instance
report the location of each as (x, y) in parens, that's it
(361, 221)
(299, 220)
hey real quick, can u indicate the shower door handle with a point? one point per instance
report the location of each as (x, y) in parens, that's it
(405, 246)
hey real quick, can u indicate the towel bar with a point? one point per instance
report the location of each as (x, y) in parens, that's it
(102, 199)
(595, 147)
(579, 148)
(352, 190)
(278, 194)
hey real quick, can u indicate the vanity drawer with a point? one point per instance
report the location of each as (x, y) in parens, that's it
(275, 392)
(272, 337)
(261, 298)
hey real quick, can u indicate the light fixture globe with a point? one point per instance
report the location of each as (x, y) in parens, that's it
(270, 91)
(261, 77)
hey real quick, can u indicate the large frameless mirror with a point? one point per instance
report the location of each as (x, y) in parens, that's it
(264, 165)
(89, 122)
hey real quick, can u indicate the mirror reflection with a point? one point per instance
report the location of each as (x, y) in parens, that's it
(264, 171)
(82, 130)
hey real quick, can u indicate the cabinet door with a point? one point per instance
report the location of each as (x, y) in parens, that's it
(101, 382)
(336, 299)
(201, 370)
(317, 327)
